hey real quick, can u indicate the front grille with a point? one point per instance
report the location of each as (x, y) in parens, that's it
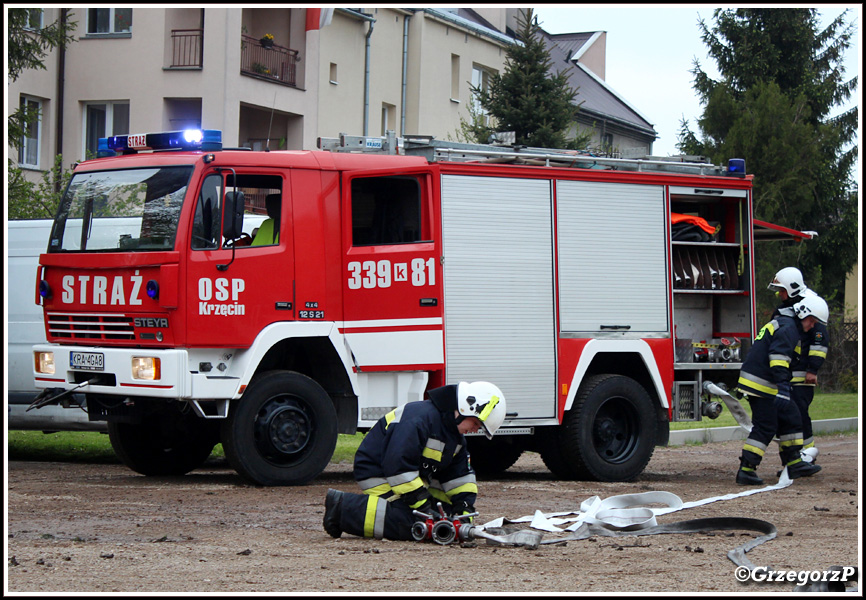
(78, 326)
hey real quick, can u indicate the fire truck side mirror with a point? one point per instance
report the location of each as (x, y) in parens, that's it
(233, 220)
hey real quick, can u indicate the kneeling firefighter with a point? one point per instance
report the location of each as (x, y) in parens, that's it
(412, 459)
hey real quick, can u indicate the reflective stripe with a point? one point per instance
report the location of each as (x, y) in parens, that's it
(755, 446)
(466, 487)
(433, 449)
(458, 449)
(792, 442)
(753, 449)
(393, 416)
(757, 383)
(452, 485)
(408, 486)
(818, 351)
(779, 363)
(438, 494)
(374, 485)
(374, 519)
(488, 408)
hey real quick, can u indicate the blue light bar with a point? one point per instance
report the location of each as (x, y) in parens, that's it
(737, 167)
(189, 139)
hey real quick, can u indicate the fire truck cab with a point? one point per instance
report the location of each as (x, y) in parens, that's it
(379, 274)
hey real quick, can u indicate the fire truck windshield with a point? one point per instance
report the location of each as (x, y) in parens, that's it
(130, 210)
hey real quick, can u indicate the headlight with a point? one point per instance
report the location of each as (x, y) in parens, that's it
(145, 367)
(44, 362)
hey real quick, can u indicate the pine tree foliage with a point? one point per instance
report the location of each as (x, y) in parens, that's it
(539, 106)
(781, 84)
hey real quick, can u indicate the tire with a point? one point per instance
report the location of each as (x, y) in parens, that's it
(283, 430)
(492, 457)
(165, 443)
(608, 435)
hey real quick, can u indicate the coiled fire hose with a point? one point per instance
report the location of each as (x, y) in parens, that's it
(622, 515)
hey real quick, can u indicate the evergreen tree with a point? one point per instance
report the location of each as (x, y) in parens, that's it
(537, 105)
(781, 79)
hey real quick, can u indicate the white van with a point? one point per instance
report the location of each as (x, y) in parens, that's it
(24, 328)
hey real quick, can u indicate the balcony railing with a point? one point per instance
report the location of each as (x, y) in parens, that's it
(186, 48)
(274, 63)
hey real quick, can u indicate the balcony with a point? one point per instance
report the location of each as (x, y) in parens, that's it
(272, 63)
(186, 48)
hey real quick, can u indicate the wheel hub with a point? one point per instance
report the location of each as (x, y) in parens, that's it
(614, 433)
(282, 429)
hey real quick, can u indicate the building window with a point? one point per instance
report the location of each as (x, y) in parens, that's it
(455, 78)
(607, 142)
(480, 81)
(389, 118)
(102, 120)
(109, 20)
(28, 153)
(34, 19)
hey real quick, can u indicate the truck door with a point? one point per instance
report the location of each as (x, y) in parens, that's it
(237, 287)
(392, 277)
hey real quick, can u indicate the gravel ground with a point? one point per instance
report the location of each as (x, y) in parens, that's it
(104, 529)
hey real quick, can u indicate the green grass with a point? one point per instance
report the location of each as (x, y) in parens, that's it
(93, 447)
(824, 406)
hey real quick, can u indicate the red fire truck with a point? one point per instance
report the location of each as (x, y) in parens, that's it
(384, 268)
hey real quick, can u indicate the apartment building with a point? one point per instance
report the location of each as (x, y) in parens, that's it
(264, 76)
(270, 76)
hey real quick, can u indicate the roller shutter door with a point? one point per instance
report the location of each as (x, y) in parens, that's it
(498, 280)
(612, 257)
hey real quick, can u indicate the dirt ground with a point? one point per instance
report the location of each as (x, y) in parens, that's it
(105, 529)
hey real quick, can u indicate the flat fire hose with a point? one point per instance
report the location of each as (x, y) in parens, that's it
(628, 514)
(737, 555)
(737, 410)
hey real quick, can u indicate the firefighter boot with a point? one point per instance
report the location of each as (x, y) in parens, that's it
(333, 512)
(802, 469)
(746, 475)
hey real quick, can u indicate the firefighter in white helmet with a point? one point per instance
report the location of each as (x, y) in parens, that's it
(765, 378)
(790, 288)
(413, 458)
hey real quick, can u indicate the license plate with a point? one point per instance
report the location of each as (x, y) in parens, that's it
(87, 361)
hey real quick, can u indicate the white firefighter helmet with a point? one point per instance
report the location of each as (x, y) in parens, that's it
(484, 401)
(789, 279)
(812, 305)
(809, 454)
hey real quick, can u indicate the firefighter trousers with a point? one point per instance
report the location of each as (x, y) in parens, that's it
(374, 517)
(773, 417)
(802, 396)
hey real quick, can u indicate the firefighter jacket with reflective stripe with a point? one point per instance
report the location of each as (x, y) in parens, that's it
(417, 453)
(813, 349)
(768, 363)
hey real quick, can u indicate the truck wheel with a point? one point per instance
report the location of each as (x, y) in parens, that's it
(608, 435)
(164, 443)
(491, 457)
(283, 430)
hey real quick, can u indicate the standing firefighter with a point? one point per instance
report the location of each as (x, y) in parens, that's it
(789, 287)
(765, 378)
(413, 458)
